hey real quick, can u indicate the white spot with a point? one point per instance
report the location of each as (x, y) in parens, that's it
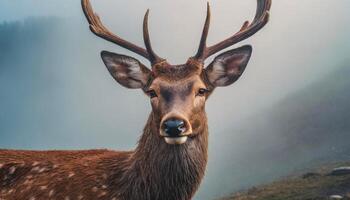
(71, 174)
(94, 189)
(32, 198)
(35, 163)
(10, 191)
(80, 197)
(12, 170)
(42, 170)
(44, 187)
(36, 169)
(104, 186)
(51, 193)
(54, 166)
(102, 194)
(1, 165)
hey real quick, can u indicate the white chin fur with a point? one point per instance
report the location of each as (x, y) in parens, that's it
(177, 140)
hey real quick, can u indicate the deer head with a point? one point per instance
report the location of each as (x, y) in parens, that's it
(178, 92)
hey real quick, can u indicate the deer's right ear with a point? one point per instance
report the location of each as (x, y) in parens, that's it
(228, 66)
(126, 70)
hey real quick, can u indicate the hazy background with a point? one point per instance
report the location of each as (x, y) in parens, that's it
(288, 112)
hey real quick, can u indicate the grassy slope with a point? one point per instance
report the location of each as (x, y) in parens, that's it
(316, 187)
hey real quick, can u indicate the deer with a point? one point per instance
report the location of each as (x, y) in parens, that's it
(170, 159)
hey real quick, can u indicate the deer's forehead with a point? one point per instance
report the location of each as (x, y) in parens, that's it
(179, 84)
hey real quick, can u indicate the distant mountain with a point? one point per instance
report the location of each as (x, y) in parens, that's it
(317, 115)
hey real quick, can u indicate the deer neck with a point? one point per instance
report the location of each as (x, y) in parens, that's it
(162, 171)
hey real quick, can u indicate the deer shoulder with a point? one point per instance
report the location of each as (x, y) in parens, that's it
(64, 175)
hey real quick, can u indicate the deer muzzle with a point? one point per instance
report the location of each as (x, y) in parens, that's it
(175, 130)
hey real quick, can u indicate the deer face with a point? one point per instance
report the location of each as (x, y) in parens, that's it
(178, 92)
(178, 105)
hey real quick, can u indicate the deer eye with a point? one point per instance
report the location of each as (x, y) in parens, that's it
(202, 92)
(152, 94)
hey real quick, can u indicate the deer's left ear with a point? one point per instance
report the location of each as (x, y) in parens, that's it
(228, 66)
(126, 70)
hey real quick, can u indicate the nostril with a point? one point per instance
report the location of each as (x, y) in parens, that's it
(174, 127)
(182, 127)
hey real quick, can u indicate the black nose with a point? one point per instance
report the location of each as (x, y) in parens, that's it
(174, 127)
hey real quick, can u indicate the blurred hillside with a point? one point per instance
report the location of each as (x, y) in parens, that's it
(318, 184)
(316, 119)
(318, 114)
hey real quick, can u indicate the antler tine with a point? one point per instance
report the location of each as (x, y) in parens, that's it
(152, 56)
(100, 30)
(203, 42)
(248, 29)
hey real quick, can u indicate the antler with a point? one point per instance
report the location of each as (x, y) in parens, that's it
(247, 30)
(100, 30)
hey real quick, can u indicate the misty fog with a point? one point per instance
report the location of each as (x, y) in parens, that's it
(289, 111)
